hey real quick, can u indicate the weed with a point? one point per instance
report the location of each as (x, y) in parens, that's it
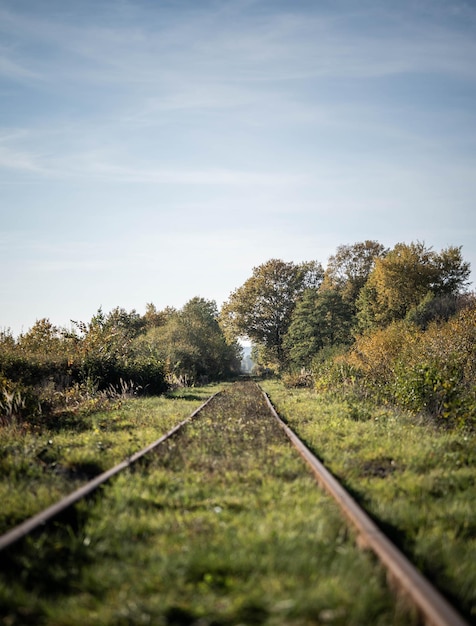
(414, 478)
(224, 525)
(40, 463)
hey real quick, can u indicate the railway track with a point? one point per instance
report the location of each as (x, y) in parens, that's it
(244, 423)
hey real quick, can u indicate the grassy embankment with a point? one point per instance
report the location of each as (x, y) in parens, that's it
(224, 526)
(41, 463)
(414, 477)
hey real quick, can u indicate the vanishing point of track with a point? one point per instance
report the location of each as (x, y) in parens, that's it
(433, 608)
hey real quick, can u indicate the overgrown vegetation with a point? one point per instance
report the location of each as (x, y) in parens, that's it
(415, 478)
(41, 462)
(224, 526)
(48, 370)
(376, 331)
(428, 370)
(395, 325)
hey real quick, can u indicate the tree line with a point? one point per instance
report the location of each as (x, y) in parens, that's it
(50, 368)
(395, 324)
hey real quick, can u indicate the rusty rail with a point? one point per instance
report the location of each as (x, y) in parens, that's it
(433, 607)
(47, 515)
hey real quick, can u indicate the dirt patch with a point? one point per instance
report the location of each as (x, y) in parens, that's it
(379, 467)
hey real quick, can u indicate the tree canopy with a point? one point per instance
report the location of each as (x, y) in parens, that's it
(191, 343)
(322, 318)
(404, 277)
(292, 311)
(262, 307)
(349, 268)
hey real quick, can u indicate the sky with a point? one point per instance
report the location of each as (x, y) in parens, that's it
(152, 151)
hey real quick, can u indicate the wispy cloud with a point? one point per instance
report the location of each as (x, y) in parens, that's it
(211, 176)
(10, 68)
(152, 127)
(159, 49)
(99, 165)
(15, 160)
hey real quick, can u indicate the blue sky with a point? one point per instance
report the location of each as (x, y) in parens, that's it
(157, 150)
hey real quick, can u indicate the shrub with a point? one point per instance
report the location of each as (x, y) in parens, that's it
(16, 401)
(433, 387)
(373, 357)
(302, 378)
(335, 373)
(143, 372)
(438, 372)
(432, 370)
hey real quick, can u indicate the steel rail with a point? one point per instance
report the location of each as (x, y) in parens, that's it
(433, 607)
(48, 514)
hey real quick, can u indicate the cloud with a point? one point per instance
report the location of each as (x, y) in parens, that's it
(14, 70)
(20, 161)
(212, 176)
(160, 50)
(97, 166)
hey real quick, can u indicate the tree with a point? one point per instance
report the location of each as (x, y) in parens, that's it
(349, 268)
(42, 338)
(402, 279)
(192, 343)
(322, 318)
(262, 307)
(452, 272)
(40, 356)
(110, 336)
(105, 349)
(153, 318)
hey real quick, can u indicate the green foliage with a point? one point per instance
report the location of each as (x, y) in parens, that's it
(192, 345)
(415, 478)
(105, 353)
(16, 401)
(57, 369)
(291, 312)
(349, 268)
(414, 348)
(434, 387)
(42, 337)
(437, 373)
(302, 378)
(262, 307)
(333, 372)
(402, 279)
(153, 318)
(384, 300)
(430, 370)
(434, 308)
(42, 356)
(321, 318)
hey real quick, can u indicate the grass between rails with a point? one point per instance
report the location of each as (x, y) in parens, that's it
(41, 464)
(414, 478)
(224, 526)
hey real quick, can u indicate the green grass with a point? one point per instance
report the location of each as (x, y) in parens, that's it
(40, 464)
(223, 526)
(414, 478)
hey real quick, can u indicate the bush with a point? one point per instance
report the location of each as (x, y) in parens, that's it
(429, 387)
(372, 358)
(335, 373)
(303, 378)
(145, 373)
(16, 401)
(431, 371)
(438, 372)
